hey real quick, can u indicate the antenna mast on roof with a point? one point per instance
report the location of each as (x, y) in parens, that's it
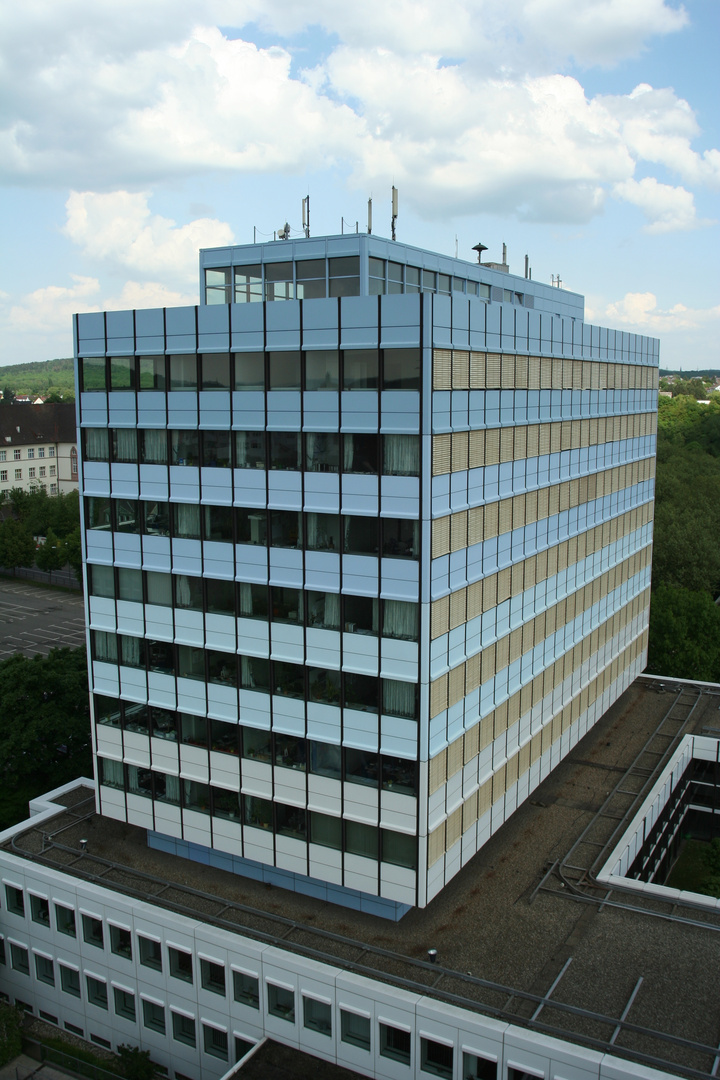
(370, 214)
(306, 216)
(394, 211)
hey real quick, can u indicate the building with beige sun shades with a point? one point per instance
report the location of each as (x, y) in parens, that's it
(368, 539)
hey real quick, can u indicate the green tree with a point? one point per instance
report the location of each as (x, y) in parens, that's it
(45, 735)
(50, 555)
(11, 1020)
(8, 395)
(135, 1064)
(17, 547)
(684, 639)
(73, 551)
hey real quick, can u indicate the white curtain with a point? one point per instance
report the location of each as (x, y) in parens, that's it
(126, 444)
(105, 646)
(241, 438)
(401, 455)
(182, 590)
(155, 446)
(398, 698)
(348, 452)
(246, 604)
(188, 519)
(332, 610)
(400, 620)
(131, 651)
(112, 773)
(246, 676)
(96, 444)
(172, 789)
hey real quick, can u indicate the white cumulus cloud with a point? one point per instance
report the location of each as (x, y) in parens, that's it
(667, 208)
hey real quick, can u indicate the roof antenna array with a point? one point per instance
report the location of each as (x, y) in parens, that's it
(306, 216)
(394, 212)
(370, 214)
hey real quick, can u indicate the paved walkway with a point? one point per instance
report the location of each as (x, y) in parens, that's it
(34, 619)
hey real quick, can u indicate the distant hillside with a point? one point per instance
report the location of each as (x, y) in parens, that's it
(42, 377)
(705, 373)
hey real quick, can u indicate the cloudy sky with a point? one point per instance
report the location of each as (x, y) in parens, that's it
(583, 132)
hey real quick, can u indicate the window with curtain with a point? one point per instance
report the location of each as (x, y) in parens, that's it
(191, 662)
(159, 588)
(167, 788)
(139, 781)
(154, 446)
(325, 760)
(184, 448)
(124, 444)
(401, 455)
(322, 451)
(322, 532)
(188, 592)
(255, 673)
(257, 812)
(401, 619)
(196, 796)
(97, 446)
(102, 580)
(112, 773)
(325, 830)
(186, 520)
(361, 839)
(104, 646)
(400, 699)
(324, 610)
(253, 600)
(132, 651)
(399, 849)
(130, 584)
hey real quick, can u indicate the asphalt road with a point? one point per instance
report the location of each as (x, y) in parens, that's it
(35, 619)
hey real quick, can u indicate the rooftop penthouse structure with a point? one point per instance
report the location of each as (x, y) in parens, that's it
(368, 538)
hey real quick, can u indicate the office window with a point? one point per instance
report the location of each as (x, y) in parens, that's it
(290, 752)
(65, 920)
(218, 285)
(355, 1029)
(246, 989)
(285, 450)
(183, 1028)
(215, 1042)
(344, 276)
(361, 615)
(322, 451)
(20, 959)
(150, 953)
(291, 821)
(310, 275)
(96, 992)
(250, 449)
(44, 969)
(361, 692)
(399, 775)
(151, 372)
(93, 931)
(120, 941)
(130, 584)
(289, 680)
(324, 686)
(70, 980)
(122, 372)
(212, 977)
(102, 580)
(215, 369)
(181, 965)
(360, 369)
(250, 370)
(184, 448)
(3, 959)
(93, 374)
(279, 281)
(218, 522)
(325, 830)
(395, 1044)
(124, 1003)
(15, 900)
(248, 284)
(322, 369)
(436, 1058)
(476, 1067)
(153, 1016)
(401, 538)
(317, 1016)
(281, 1002)
(127, 516)
(216, 449)
(183, 372)
(124, 445)
(361, 839)
(326, 760)
(39, 910)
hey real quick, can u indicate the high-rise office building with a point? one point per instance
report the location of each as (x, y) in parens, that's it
(368, 539)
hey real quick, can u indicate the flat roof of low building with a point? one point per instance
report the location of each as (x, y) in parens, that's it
(524, 932)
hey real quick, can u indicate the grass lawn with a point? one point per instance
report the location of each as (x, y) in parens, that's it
(690, 869)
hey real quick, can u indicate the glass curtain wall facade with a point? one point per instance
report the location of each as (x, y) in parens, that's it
(362, 565)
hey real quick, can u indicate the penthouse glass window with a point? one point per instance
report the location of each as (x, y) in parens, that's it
(279, 281)
(217, 285)
(344, 276)
(248, 284)
(151, 373)
(310, 278)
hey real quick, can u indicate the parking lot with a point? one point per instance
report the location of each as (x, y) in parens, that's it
(35, 619)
